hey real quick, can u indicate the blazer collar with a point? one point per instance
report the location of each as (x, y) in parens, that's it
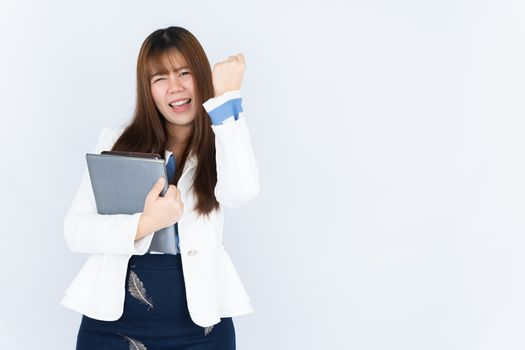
(191, 161)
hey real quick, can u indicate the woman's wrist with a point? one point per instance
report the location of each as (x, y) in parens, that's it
(144, 228)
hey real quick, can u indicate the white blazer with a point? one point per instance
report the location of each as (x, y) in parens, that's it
(213, 287)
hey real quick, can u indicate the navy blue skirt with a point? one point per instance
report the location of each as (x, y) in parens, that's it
(156, 315)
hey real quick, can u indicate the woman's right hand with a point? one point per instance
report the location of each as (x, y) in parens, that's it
(160, 212)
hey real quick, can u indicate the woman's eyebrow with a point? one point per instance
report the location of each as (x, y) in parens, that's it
(176, 70)
(181, 68)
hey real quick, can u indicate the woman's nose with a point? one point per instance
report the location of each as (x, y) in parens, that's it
(174, 84)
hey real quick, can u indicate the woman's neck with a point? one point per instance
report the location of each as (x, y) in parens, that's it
(178, 139)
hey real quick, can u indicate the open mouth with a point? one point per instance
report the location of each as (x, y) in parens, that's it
(180, 103)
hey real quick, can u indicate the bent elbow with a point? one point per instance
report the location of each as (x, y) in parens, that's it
(68, 233)
(239, 197)
(71, 234)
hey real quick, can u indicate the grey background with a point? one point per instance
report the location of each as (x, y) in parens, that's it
(389, 139)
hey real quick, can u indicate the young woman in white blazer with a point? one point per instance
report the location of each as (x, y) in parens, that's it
(132, 297)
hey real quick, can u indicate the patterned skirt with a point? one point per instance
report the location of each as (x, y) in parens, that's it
(156, 315)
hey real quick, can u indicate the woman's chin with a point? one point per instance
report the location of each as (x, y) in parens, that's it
(180, 121)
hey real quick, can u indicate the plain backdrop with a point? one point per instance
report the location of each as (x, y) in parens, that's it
(389, 137)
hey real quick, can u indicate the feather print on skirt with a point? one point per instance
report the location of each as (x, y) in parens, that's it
(208, 330)
(137, 290)
(134, 344)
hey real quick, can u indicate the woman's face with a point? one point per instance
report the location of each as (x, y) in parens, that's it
(171, 89)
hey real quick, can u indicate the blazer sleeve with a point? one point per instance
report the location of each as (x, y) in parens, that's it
(86, 231)
(237, 172)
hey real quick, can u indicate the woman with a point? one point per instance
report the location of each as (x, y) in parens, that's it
(131, 296)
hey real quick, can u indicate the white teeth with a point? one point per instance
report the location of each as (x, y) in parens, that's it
(179, 103)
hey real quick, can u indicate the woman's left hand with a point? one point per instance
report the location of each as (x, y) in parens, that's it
(227, 75)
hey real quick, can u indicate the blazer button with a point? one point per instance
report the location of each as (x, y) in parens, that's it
(192, 252)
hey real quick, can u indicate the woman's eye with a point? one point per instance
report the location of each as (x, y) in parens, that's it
(185, 73)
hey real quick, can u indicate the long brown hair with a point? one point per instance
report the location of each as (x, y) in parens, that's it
(147, 131)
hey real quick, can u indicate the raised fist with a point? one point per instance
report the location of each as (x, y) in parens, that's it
(228, 74)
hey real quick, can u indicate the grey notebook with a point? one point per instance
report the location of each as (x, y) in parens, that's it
(120, 185)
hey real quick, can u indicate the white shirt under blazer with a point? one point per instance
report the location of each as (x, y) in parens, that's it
(213, 286)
